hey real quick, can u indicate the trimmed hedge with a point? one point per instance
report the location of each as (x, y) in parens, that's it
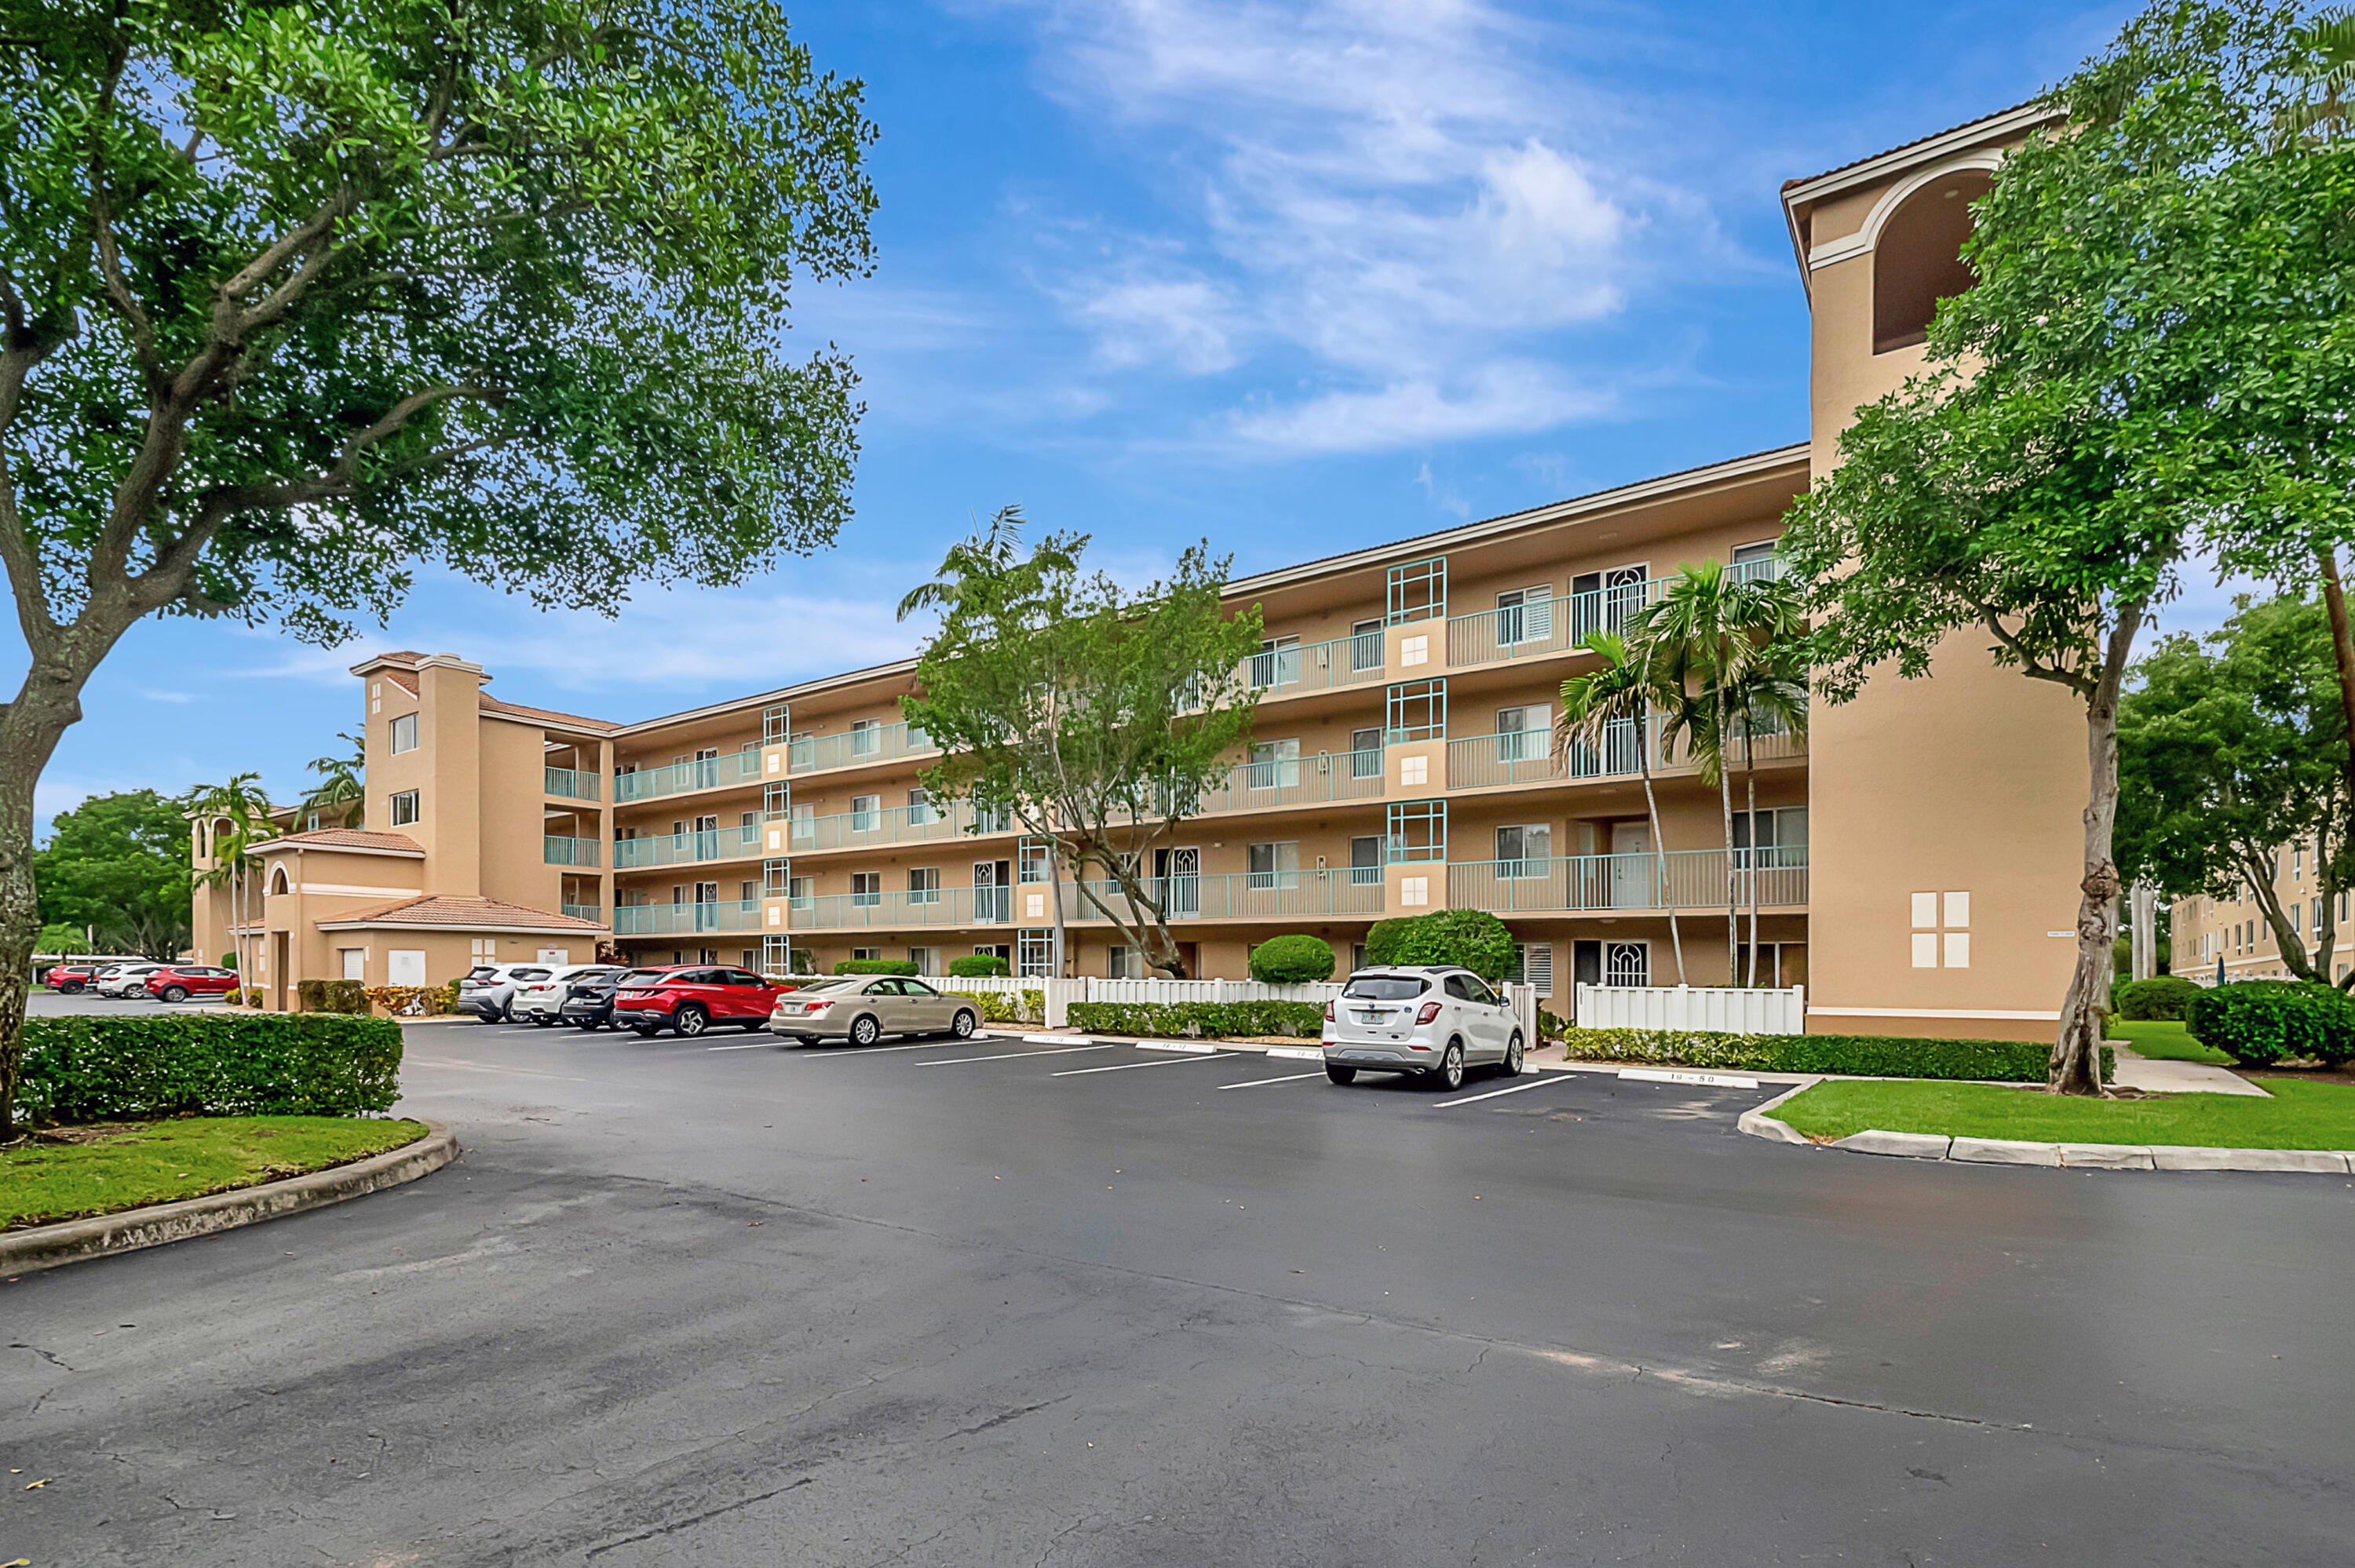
(2166, 997)
(1856, 1055)
(977, 965)
(99, 1068)
(1208, 1020)
(1299, 960)
(1472, 937)
(875, 967)
(998, 1007)
(332, 996)
(2257, 1022)
(1384, 938)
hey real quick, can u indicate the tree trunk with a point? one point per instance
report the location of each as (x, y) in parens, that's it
(1750, 806)
(30, 726)
(1732, 888)
(1659, 853)
(2342, 648)
(2076, 1064)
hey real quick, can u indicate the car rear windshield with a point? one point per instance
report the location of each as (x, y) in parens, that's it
(1384, 987)
(845, 982)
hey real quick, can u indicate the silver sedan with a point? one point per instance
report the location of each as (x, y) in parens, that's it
(862, 1009)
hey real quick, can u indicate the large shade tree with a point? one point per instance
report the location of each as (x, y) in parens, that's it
(116, 867)
(295, 297)
(2154, 364)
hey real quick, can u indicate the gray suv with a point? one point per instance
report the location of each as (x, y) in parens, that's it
(1431, 1020)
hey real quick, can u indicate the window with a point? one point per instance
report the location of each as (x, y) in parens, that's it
(926, 960)
(805, 819)
(1121, 963)
(866, 955)
(1918, 258)
(1364, 647)
(404, 966)
(404, 734)
(1031, 858)
(1942, 936)
(919, 809)
(1627, 963)
(1417, 710)
(1037, 954)
(1418, 831)
(917, 739)
(924, 885)
(800, 891)
(1524, 734)
(1357, 955)
(1385, 988)
(1273, 865)
(1755, 561)
(1366, 861)
(404, 807)
(866, 889)
(1277, 663)
(1275, 765)
(1533, 967)
(1418, 591)
(866, 813)
(1365, 754)
(866, 737)
(1525, 615)
(1523, 851)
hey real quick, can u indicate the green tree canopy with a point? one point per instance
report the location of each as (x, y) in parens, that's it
(1092, 716)
(293, 297)
(2231, 754)
(118, 865)
(2154, 362)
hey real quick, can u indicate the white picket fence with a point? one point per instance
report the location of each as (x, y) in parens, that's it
(1061, 994)
(1727, 1010)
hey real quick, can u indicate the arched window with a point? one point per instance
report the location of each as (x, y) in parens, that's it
(1918, 259)
(278, 880)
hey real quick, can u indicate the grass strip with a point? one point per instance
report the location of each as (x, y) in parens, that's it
(139, 1163)
(2165, 1039)
(2299, 1115)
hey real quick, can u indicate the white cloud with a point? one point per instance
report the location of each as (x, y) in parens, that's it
(1403, 189)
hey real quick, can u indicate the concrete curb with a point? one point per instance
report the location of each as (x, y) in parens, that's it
(2066, 1156)
(70, 1241)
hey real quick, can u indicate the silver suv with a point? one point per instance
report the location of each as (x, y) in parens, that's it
(488, 992)
(1432, 1021)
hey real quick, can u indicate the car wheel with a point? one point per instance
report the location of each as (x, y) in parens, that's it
(1449, 1074)
(1341, 1074)
(690, 1021)
(69, 988)
(865, 1030)
(963, 1025)
(175, 994)
(1512, 1063)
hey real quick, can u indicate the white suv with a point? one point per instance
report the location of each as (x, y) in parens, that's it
(1431, 1022)
(125, 980)
(542, 1000)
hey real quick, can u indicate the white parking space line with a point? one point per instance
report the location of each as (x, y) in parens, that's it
(860, 1053)
(1016, 1055)
(1262, 1083)
(1492, 1094)
(1127, 1066)
(747, 1046)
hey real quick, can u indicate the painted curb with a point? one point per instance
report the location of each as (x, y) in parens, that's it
(1904, 1145)
(72, 1240)
(1758, 1124)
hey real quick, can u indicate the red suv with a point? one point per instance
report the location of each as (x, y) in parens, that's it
(71, 978)
(180, 981)
(691, 998)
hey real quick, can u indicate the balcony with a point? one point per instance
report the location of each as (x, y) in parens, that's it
(1682, 879)
(1544, 625)
(1317, 781)
(590, 912)
(887, 825)
(1344, 893)
(949, 907)
(684, 777)
(685, 849)
(857, 747)
(1315, 666)
(686, 919)
(568, 852)
(1526, 757)
(572, 784)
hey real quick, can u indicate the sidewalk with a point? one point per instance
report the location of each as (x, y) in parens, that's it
(2178, 1077)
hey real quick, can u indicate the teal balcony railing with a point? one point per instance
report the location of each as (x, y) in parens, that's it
(1340, 893)
(687, 849)
(686, 919)
(1558, 625)
(855, 748)
(572, 784)
(582, 911)
(1682, 879)
(568, 852)
(727, 769)
(1526, 757)
(1315, 666)
(943, 907)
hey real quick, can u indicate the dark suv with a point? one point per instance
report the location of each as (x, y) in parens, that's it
(590, 1004)
(692, 998)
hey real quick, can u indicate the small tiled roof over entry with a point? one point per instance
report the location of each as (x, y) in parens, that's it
(455, 913)
(343, 838)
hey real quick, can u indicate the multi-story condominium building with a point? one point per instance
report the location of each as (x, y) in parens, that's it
(1914, 862)
(2233, 938)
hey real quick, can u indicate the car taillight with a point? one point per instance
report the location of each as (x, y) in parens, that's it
(1430, 1012)
(1328, 1012)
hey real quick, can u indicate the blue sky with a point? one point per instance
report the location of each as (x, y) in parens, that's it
(1296, 277)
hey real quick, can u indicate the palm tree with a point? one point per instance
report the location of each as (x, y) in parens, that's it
(1771, 696)
(236, 817)
(1708, 633)
(2330, 43)
(342, 780)
(1629, 689)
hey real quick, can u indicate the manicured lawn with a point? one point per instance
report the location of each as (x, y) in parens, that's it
(2165, 1039)
(2299, 1115)
(158, 1161)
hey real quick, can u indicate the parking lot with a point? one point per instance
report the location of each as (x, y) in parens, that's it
(732, 1301)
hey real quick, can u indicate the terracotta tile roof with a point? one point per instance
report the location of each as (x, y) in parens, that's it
(405, 679)
(458, 913)
(345, 838)
(1932, 136)
(492, 705)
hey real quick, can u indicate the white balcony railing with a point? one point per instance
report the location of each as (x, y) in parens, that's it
(1683, 879)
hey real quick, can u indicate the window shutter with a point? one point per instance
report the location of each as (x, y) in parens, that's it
(1537, 613)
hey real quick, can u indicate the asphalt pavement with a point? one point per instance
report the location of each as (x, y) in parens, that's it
(727, 1302)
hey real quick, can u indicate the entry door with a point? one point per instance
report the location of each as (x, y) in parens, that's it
(706, 906)
(279, 964)
(993, 893)
(1180, 871)
(1631, 871)
(706, 837)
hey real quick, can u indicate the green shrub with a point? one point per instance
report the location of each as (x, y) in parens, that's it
(228, 961)
(1206, 1020)
(311, 995)
(2168, 996)
(2257, 1022)
(1292, 960)
(1857, 1055)
(999, 1007)
(973, 966)
(138, 1068)
(331, 996)
(1552, 1025)
(1472, 937)
(1384, 938)
(875, 966)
